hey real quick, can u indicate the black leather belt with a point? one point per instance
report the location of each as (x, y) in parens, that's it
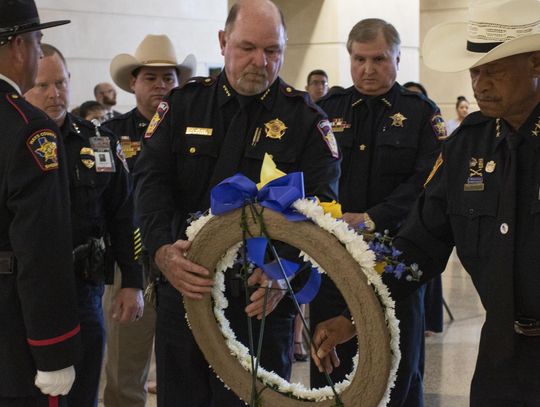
(7, 263)
(527, 327)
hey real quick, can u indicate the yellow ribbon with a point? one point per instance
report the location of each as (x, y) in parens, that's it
(269, 171)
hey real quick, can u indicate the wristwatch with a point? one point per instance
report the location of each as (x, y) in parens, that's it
(368, 223)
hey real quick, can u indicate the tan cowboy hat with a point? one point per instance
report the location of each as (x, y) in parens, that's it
(496, 29)
(154, 50)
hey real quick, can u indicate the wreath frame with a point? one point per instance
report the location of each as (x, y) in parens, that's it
(370, 382)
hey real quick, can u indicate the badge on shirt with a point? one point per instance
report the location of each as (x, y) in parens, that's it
(439, 126)
(43, 146)
(161, 111)
(475, 180)
(275, 129)
(121, 156)
(325, 128)
(397, 120)
(87, 157)
(102, 153)
(338, 125)
(199, 131)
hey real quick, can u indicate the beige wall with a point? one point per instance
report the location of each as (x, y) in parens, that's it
(444, 88)
(101, 29)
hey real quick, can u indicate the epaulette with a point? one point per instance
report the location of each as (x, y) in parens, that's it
(27, 112)
(417, 95)
(82, 123)
(203, 80)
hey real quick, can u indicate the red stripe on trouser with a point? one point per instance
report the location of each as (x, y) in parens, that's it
(53, 401)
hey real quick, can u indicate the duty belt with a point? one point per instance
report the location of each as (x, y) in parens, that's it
(527, 327)
(7, 263)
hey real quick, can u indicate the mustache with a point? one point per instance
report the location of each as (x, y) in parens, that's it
(258, 72)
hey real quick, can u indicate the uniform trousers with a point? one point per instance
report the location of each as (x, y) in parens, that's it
(84, 392)
(514, 383)
(183, 375)
(38, 401)
(408, 389)
(129, 353)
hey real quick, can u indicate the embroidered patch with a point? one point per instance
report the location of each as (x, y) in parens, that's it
(439, 126)
(434, 170)
(121, 156)
(161, 111)
(325, 128)
(43, 146)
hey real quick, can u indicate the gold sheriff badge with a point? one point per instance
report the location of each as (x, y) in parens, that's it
(275, 129)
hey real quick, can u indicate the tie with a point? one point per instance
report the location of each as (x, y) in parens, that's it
(499, 327)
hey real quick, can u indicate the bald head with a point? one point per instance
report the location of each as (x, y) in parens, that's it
(253, 45)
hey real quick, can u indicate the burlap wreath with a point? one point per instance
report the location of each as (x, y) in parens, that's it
(370, 381)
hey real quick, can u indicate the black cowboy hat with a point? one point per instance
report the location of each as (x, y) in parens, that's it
(21, 16)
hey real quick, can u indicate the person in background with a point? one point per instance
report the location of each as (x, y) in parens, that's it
(462, 110)
(92, 110)
(317, 84)
(40, 333)
(129, 347)
(389, 139)
(105, 93)
(101, 215)
(416, 87)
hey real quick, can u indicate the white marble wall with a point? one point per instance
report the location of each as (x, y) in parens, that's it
(101, 29)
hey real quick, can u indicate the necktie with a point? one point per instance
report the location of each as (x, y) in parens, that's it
(499, 326)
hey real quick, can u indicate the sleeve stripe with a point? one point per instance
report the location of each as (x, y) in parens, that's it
(54, 341)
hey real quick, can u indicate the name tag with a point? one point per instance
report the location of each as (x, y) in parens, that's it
(199, 131)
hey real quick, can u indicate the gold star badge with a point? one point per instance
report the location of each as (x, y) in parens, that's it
(275, 129)
(397, 120)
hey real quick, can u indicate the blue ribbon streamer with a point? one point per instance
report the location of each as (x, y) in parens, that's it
(278, 195)
(256, 248)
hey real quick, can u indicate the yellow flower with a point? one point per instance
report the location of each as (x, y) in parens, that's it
(333, 208)
(379, 267)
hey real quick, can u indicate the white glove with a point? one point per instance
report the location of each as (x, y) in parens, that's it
(55, 383)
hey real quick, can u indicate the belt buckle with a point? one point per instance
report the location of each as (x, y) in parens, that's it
(6, 265)
(527, 327)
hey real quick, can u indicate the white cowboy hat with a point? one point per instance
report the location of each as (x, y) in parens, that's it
(496, 29)
(154, 50)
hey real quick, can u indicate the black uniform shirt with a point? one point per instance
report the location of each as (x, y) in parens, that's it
(184, 149)
(454, 209)
(101, 202)
(389, 143)
(38, 307)
(129, 128)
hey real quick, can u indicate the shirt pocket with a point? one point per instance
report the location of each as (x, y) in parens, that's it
(396, 152)
(196, 158)
(87, 192)
(473, 217)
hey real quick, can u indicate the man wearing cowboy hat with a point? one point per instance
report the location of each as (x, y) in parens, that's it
(149, 74)
(39, 338)
(202, 133)
(483, 196)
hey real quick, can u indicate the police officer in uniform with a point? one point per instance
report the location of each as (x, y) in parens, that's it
(101, 210)
(39, 338)
(149, 74)
(201, 134)
(389, 138)
(483, 196)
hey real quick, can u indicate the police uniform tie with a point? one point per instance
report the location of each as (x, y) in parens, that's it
(499, 327)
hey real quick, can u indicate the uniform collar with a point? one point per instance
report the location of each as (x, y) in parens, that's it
(140, 120)
(71, 127)
(227, 93)
(530, 130)
(11, 82)
(386, 99)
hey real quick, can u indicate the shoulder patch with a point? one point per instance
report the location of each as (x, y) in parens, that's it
(325, 128)
(439, 126)
(43, 146)
(161, 111)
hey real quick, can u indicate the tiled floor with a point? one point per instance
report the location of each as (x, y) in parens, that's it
(450, 356)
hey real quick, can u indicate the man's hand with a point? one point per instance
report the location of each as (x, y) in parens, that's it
(328, 334)
(55, 383)
(257, 298)
(183, 274)
(128, 305)
(353, 218)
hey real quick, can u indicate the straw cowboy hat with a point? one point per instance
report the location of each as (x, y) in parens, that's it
(19, 17)
(155, 51)
(496, 29)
